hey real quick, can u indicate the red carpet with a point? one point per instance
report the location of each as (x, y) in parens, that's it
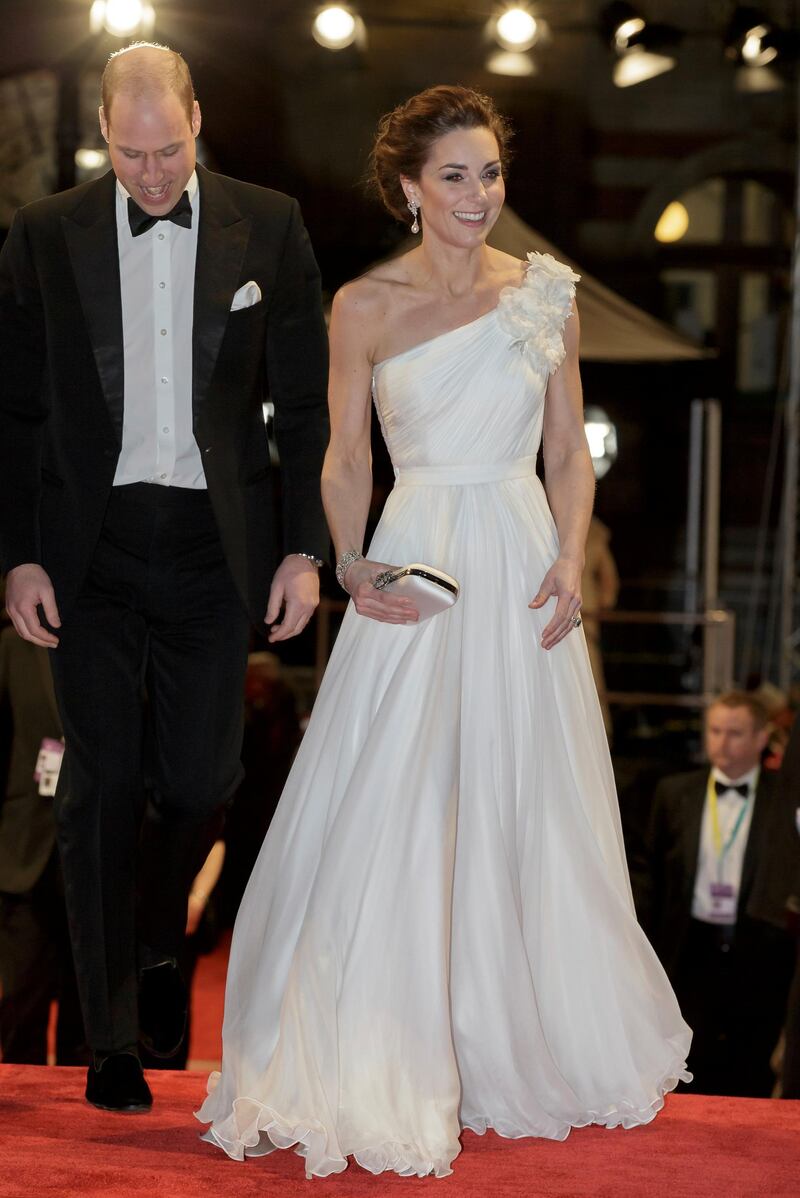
(53, 1144)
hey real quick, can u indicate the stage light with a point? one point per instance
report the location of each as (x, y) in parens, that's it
(506, 62)
(756, 45)
(336, 27)
(122, 18)
(756, 48)
(515, 29)
(745, 37)
(601, 436)
(640, 46)
(673, 223)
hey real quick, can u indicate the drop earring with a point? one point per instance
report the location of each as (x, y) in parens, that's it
(413, 208)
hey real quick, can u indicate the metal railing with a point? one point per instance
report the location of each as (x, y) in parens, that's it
(719, 631)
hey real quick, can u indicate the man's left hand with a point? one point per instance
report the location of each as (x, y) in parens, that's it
(295, 588)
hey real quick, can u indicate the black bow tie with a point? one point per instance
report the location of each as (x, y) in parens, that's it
(140, 221)
(722, 788)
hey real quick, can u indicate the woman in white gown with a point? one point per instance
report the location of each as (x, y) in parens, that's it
(439, 932)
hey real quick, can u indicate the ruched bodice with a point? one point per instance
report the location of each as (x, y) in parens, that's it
(476, 393)
(439, 931)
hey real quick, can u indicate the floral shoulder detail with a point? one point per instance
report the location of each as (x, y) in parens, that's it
(534, 314)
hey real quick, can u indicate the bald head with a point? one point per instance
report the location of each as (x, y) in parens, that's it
(146, 72)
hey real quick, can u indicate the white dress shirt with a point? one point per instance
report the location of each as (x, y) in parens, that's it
(729, 869)
(157, 283)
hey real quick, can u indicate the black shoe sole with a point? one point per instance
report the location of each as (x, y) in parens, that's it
(138, 1109)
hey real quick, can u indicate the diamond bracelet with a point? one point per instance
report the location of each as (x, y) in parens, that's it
(345, 561)
(315, 561)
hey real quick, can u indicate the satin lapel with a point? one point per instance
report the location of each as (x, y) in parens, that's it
(221, 244)
(691, 826)
(758, 828)
(91, 236)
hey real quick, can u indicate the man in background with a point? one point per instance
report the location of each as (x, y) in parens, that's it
(701, 880)
(35, 955)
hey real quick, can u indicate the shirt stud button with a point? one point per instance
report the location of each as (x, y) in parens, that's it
(163, 332)
(162, 285)
(164, 379)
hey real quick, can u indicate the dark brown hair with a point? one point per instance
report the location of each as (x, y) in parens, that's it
(747, 699)
(406, 135)
(147, 74)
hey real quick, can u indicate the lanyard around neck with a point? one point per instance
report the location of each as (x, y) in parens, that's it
(716, 832)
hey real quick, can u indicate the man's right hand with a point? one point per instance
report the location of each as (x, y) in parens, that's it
(26, 587)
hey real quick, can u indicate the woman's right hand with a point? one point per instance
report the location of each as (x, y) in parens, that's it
(377, 605)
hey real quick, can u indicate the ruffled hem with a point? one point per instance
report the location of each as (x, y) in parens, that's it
(255, 1129)
(622, 1114)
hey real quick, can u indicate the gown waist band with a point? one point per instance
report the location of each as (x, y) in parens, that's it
(468, 474)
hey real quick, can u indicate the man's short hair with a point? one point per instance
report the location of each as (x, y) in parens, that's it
(140, 75)
(754, 705)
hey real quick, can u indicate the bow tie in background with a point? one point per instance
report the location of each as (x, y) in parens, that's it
(722, 788)
(140, 221)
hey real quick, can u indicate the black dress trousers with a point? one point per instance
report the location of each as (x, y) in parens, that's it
(149, 675)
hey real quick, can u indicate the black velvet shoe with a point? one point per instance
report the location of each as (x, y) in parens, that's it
(117, 1084)
(162, 1009)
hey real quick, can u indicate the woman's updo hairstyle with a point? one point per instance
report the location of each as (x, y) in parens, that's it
(406, 135)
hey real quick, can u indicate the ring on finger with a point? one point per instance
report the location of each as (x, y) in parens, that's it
(576, 621)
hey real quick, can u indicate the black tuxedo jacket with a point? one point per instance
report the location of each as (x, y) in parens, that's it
(61, 379)
(664, 864)
(28, 702)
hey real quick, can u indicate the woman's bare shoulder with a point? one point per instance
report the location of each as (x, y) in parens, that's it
(370, 296)
(507, 265)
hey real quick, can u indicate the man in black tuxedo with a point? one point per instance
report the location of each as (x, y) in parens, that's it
(711, 882)
(142, 316)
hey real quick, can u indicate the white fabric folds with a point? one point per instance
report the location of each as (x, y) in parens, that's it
(439, 931)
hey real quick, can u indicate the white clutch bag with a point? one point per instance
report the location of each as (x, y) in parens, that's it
(430, 590)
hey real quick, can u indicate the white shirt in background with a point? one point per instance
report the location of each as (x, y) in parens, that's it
(709, 869)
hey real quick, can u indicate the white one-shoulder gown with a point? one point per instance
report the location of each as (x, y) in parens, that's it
(439, 931)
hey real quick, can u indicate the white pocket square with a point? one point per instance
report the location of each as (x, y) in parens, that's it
(247, 295)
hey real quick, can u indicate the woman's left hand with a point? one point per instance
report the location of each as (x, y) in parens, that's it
(563, 580)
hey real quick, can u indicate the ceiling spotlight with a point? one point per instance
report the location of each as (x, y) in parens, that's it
(515, 29)
(758, 50)
(748, 37)
(642, 48)
(336, 27)
(758, 47)
(122, 18)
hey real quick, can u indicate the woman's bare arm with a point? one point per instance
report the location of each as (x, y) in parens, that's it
(569, 482)
(347, 470)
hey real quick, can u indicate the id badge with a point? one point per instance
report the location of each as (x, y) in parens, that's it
(48, 766)
(723, 902)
